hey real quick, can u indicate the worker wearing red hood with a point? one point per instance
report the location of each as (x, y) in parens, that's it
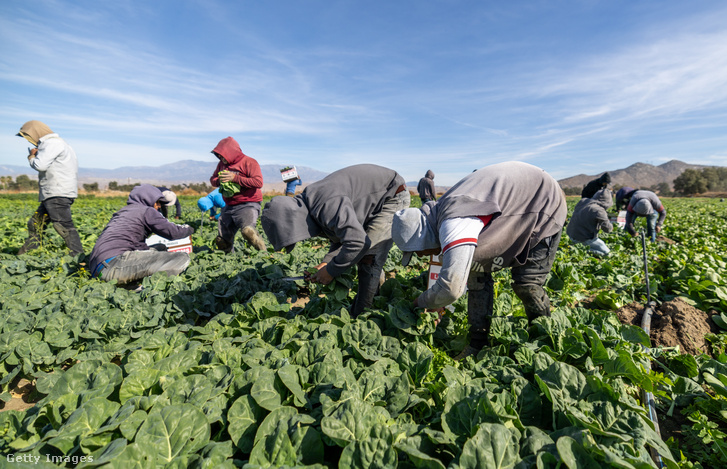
(243, 206)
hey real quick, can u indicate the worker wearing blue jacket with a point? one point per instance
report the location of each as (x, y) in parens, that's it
(212, 202)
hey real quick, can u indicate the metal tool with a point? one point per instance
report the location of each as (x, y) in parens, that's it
(293, 279)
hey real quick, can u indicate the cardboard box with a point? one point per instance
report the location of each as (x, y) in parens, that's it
(173, 245)
(620, 219)
(435, 266)
(289, 174)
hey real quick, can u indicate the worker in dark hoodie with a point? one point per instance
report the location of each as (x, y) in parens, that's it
(353, 208)
(508, 215)
(240, 180)
(426, 188)
(590, 189)
(121, 252)
(589, 216)
(622, 197)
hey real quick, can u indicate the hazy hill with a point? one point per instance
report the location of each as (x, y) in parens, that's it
(638, 175)
(187, 171)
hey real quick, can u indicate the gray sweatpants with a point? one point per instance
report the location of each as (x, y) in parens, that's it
(371, 265)
(134, 265)
(234, 218)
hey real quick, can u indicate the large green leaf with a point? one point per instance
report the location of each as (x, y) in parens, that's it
(175, 430)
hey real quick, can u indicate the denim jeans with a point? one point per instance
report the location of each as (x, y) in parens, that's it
(234, 218)
(370, 267)
(597, 246)
(130, 266)
(57, 210)
(651, 225)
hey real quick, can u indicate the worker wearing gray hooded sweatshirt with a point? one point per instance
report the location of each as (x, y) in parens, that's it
(508, 215)
(589, 216)
(426, 188)
(645, 204)
(353, 208)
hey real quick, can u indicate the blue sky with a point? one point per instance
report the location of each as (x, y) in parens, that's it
(570, 86)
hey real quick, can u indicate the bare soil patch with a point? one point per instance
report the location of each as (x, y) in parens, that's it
(23, 396)
(674, 323)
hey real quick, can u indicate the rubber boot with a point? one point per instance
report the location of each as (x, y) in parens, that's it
(250, 234)
(223, 245)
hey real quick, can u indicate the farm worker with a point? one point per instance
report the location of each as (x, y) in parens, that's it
(290, 187)
(426, 188)
(590, 189)
(645, 204)
(242, 208)
(121, 252)
(622, 197)
(212, 202)
(170, 198)
(57, 168)
(508, 215)
(589, 216)
(353, 208)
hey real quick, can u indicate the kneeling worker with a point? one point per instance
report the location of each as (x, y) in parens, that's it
(121, 252)
(353, 207)
(589, 216)
(508, 215)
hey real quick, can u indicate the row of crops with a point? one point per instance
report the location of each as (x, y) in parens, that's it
(229, 365)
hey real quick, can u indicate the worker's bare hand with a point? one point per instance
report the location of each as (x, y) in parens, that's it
(226, 176)
(322, 276)
(32, 152)
(658, 229)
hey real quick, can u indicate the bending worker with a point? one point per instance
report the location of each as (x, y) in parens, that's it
(645, 204)
(508, 215)
(353, 208)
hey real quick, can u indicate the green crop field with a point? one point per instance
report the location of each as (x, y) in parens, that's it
(229, 365)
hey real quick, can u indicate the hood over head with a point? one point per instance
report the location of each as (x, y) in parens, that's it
(170, 198)
(204, 204)
(412, 232)
(33, 131)
(605, 178)
(603, 198)
(230, 150)
(145, 194)
(286, 221)
(430, 174)
(643, 207)
(623, 192)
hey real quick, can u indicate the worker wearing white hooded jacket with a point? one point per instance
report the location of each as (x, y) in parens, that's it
(589, 216)
(57, 168)
(508, 215)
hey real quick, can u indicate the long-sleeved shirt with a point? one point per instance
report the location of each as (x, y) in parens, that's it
(653, 204)
(589, 216)
(57, 168)
(211, 202)
(426, 188)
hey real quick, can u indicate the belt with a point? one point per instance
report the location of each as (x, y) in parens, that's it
(99, 267)
(401, 188)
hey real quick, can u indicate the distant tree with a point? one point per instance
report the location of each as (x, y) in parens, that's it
(662, 189)
(24, 183)
(93, 187)
(690, 182)
(113, 186)
(572, 190)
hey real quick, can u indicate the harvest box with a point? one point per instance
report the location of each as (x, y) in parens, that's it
(173, 245)
(289, 173)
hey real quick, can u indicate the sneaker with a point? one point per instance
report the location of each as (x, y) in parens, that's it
(467, 352)
(253, 238)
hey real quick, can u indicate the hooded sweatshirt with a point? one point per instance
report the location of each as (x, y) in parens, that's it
(339, 207)
(130, 226)
(622, 195)
(55, 162)
(247, 172)
(643, 203)
(596, 185)
(523, 204)
(426, 187)
(589, 216)
(211, 201)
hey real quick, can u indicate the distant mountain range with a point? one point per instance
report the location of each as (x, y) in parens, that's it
(187, 171)
(638, 175)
